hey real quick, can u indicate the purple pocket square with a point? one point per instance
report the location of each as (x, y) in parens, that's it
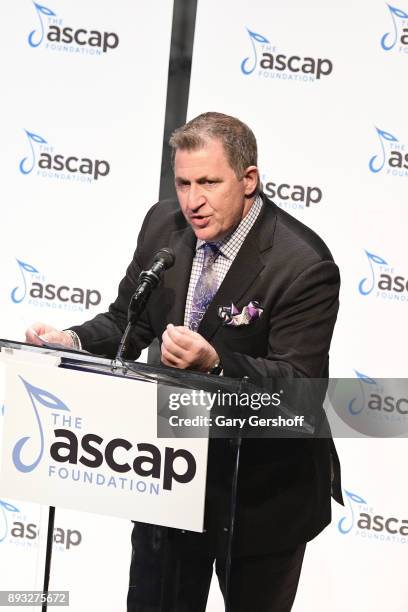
(231, 316)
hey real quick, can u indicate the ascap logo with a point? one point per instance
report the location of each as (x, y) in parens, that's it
(362, 521)
(48, 164)
(269, 62)
(38, 291)
(375, 407)
(392, 159)
(5, 509)
(54, 35)
(63, 538)
(382, 281)
(82, 453)
(19, 529)
(376, 399)
(346, 523)
(397, 39)
(38, 398)
(292, 196)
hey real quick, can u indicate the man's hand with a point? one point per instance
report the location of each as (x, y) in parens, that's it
(186, 349)
(48, 334)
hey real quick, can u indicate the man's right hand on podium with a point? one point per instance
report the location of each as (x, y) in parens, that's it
(41, 331)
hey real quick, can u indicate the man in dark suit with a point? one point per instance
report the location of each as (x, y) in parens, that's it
(232, 245)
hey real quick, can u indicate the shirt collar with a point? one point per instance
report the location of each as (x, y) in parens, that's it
(230, 245)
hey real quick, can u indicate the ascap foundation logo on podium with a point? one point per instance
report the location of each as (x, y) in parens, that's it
(88, 442)
(74, 447)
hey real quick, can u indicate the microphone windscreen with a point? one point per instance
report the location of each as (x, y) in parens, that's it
(166, 257)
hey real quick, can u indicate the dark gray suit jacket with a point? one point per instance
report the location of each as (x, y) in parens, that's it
(284, 484)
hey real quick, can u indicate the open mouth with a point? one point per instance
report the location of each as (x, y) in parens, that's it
(199, 221)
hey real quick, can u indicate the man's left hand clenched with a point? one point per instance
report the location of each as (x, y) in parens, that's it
(185, 349)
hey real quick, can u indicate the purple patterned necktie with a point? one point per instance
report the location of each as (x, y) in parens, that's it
(206, 286)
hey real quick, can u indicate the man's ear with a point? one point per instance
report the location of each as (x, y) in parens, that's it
(250, 178)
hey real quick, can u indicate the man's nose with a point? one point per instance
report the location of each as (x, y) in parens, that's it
(196, 197)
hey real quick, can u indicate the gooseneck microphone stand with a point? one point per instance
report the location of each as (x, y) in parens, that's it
(148, 280)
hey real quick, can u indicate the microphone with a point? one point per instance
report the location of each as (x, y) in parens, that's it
(148, 280)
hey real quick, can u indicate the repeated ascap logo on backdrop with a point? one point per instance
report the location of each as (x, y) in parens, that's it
(382, 281)
(362, 521)
(376, 408)
(380, 407)
(291, 196)
(267, 61)
(36, 290)
(52, 34)
(6, 508)
(393, 156)
(397, 39)
(44, 162)
(357, 404)
(19, 528)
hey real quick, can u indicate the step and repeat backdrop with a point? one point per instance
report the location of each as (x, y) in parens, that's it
(323, 87)
(83, 105)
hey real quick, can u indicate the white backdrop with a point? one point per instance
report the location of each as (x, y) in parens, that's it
(333, 139)
(317, 136)
(98, 102)
(70, 228)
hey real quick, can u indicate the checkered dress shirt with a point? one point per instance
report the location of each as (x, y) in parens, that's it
(228, 248)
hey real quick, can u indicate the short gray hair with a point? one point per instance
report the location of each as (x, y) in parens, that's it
(237, 138)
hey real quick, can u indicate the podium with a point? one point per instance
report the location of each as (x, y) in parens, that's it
(81, 432)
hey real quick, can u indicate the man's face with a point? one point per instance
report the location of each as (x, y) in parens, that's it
(211, 196)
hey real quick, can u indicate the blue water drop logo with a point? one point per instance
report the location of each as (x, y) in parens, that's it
(38, 397)
(254, 38)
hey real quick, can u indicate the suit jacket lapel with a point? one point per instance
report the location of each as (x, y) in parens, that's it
(244, 270)
(177, 279)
